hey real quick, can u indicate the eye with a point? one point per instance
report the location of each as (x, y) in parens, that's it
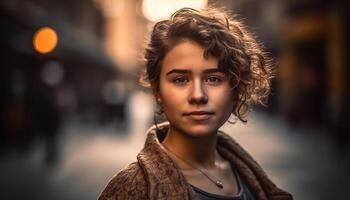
(214, 80)
(180, 80)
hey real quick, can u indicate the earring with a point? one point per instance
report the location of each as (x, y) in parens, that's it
(159, 109)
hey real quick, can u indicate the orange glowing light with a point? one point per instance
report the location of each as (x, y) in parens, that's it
(45, 40)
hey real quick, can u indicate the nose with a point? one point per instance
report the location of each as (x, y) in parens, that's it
(198, 94)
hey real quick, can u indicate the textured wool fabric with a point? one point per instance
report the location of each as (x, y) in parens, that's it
(156, 176)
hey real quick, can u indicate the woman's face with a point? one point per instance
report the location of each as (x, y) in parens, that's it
(195, 94)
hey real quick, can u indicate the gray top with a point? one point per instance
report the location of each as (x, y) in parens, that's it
(244, 193)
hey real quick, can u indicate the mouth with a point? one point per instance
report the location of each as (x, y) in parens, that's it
(199, 115)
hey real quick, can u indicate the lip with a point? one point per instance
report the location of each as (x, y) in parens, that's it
(199, 115)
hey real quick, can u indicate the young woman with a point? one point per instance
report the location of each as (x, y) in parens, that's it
(203, 66)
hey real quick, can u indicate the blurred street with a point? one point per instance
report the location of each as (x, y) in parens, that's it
(87, 155)
(73, 113)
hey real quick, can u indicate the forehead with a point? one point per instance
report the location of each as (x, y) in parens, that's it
(188, 55)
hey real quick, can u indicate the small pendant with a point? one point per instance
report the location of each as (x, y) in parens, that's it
(219, 184)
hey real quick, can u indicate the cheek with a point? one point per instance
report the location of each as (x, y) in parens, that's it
(223, 99)
(171, 98)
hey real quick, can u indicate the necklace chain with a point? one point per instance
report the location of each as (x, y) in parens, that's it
(218, 183)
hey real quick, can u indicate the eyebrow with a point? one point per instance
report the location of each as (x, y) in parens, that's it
(185, 71)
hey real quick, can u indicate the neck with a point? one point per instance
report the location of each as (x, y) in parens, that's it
(199, 151)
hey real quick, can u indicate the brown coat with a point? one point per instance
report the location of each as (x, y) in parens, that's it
(156, 176)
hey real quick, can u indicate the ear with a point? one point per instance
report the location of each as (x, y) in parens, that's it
(156, 94)
(157, 98)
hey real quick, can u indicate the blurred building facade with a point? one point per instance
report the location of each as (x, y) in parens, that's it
(308, 40)
(314, 74)
(39, 90)
(101, 41)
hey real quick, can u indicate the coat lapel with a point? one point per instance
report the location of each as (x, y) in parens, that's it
(249, 169)
(163, 176)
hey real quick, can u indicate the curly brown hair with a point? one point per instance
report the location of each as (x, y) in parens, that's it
(223, 37)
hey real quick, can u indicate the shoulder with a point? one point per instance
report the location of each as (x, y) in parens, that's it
(129, 183)
(249, 169)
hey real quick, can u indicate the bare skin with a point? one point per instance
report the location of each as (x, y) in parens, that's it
(217, 169)
(197, 101)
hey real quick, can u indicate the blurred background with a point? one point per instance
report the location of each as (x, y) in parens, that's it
(72, 113)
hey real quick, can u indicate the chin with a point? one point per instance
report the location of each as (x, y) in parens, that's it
(201, 130)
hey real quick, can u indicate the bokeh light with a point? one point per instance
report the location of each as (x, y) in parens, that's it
(45, 40)
(52, 73)
(155, 10)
